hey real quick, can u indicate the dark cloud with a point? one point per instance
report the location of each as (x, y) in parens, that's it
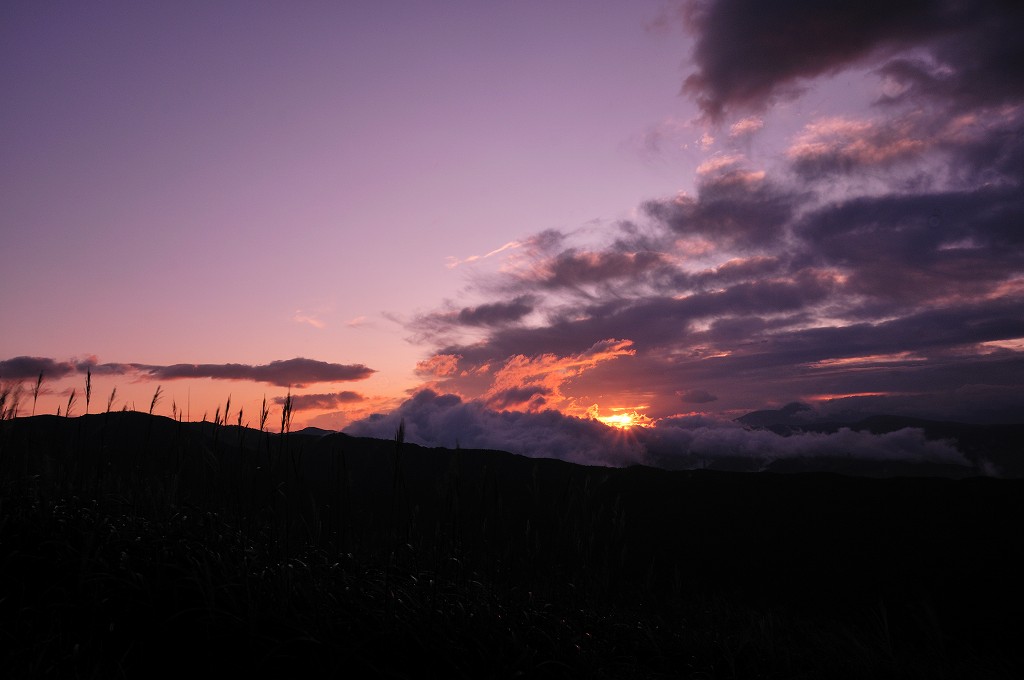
(437, 326)
(974, 403)
(29, 368)
(921, 246)
(697, 396)
(653, 321)
(496, 313)
(749, 52)
(518, 396)
(571, 268)
(330, 400)
(297, 372)
(735, 212)
(290, 372)
(976, 62)
(734, 271)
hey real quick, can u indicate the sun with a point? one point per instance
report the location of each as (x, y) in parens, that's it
(623, 421)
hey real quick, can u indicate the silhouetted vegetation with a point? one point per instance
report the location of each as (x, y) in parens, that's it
(133, 545)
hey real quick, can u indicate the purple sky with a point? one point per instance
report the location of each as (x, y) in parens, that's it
(667, 209)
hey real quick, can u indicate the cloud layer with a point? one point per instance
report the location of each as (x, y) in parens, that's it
(876, 264)
(296, 372)
(749, 53)
(433, 419)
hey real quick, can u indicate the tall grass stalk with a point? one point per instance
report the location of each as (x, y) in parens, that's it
(286, 422)
(9, 400)
(264, 414)
(157, 396)
(71, 403)
(88, 389)
(111, 398)
(286, 413)
(35, 391)
(216, 426)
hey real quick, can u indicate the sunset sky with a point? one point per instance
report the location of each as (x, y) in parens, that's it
(484, 217)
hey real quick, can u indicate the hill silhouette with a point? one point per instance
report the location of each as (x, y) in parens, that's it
(223, 540)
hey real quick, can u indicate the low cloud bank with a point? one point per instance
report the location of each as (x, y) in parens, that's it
(433, 419)
(679, 445)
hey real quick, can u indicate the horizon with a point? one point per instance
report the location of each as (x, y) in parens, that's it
(500, 222)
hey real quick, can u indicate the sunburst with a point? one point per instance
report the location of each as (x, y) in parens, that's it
(625, 420)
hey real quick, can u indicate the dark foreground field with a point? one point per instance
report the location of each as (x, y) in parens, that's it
(135, 546)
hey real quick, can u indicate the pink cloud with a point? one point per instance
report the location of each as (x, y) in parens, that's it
(439, 365)
(844, 142)
(546, 373)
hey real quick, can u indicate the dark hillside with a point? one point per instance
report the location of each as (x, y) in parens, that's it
(168, 522)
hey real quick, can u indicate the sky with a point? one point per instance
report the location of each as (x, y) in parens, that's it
(502, 221)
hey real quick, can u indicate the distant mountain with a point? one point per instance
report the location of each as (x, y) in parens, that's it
(793, 414)
(315, 431)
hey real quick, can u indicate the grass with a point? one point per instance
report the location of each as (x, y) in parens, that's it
(309, 557)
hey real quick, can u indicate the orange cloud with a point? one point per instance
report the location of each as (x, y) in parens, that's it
(439, 365)
(529, 383)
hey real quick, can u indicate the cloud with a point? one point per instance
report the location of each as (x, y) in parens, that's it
(971, 62)
(29, 368)
(496, 313)
(306, 402)
(749, 54)
(433, 419)
(573, 269)
(454, 262)
(891, 233)
(531, 397)
(930, 273)
(534, 382)
(679, 444)
(439, 365)
(913, 246)
(746, 126)
(735, 208)
(302, 317)
(296, 372)
(837, 145)
(697, 396)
